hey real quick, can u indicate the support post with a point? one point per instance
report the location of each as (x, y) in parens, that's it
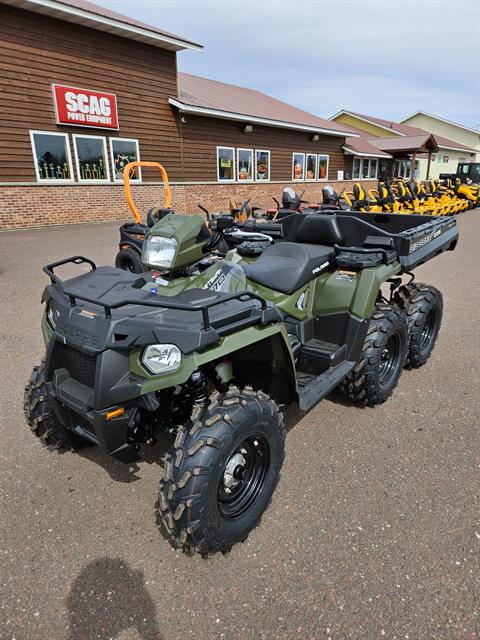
(412, 166)
(428, 165)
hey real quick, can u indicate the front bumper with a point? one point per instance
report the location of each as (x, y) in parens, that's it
(70, 402)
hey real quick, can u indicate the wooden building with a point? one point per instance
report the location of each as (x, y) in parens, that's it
(85, 90)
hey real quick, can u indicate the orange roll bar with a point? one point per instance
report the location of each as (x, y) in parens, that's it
(128, 188)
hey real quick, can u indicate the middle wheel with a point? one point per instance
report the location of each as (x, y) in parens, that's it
(383, 356)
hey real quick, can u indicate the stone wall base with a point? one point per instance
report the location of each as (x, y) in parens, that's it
(42, 205)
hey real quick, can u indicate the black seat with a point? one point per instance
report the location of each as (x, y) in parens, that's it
(287, 266)
(135, 227)
(318, 229)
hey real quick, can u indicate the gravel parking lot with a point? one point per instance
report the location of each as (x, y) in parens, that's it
(374, 530)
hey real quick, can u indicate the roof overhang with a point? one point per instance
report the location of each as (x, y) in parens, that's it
(248, 119)
(464, 150)
(375, 124)
(352, 152)
(93, 20)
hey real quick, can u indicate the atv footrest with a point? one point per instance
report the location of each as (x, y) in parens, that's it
(316, 356)
(312, 389)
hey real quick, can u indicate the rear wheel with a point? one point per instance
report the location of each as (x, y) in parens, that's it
(222, 472)
(423, 306)
(130, 260)
(40, 417)
(383, 355)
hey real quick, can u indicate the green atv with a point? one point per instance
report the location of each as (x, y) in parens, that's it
(207, 348)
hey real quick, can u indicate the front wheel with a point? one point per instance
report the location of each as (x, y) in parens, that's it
(383, 356)
(221, 474)
(423, 306)
(41, 418)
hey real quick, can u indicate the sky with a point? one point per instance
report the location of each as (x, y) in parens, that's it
(386, 58)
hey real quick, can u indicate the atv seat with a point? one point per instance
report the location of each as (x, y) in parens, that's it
(287, 266)
(135, 227)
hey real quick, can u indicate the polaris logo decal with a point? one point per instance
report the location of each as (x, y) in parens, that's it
(320, 267)
(216, 281)
(78, 336)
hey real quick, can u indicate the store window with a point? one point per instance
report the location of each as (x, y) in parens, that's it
(357, 164)
(91, 158)
(402, 168)
(298, 166)
(365, 168)
(226, 164)
(245, 165)
(311, 166)
(123, 151)
(323, 167)
(262, 165)
(51, 154)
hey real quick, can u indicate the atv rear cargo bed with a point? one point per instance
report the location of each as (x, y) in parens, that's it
(413, 238)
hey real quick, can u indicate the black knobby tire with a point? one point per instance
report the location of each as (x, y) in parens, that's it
(221, 474)
(423, 306)
(40, 417)
(129, 259)
(383, 356)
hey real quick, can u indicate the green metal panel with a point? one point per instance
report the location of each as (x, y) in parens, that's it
(228, 345)
(351, 291)
(369, 284)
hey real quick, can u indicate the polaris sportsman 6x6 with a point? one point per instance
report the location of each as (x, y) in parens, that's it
(208, 348)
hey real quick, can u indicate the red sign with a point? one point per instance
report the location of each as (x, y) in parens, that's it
(85, 108)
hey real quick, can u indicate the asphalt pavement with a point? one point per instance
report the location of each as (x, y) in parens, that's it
(373, 532)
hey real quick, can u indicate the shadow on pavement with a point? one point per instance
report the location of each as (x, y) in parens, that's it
(108, 598)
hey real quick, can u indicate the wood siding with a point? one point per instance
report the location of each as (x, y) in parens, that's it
(201, 136)
(38, 51)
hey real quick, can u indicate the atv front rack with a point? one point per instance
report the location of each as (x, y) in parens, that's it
(160, 302)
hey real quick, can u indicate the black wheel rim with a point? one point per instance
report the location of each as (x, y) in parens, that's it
(389, 359)
(243, 476)
(428, 330)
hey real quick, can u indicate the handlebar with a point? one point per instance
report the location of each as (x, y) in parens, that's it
(205, 210)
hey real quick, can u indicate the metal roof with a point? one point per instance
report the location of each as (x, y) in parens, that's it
(220, 100)
(406, 143)
(360, 146)
(401, 129)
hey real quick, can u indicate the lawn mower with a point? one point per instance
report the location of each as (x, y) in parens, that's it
(132, 234)
(209, 350)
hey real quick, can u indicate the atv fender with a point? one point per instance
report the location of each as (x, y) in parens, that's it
(261, 357)
(368, 286)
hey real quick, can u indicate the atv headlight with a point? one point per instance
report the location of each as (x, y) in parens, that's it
(160, 251)
(160, 358)
(51, 317)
